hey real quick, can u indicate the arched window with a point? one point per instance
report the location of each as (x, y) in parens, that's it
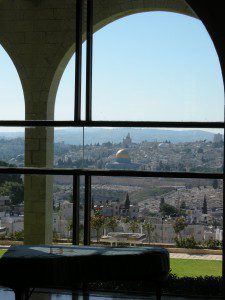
(153, 67)
(156, 66)
(12, 108)
(11, 148)
(150, 137)
(11, 90)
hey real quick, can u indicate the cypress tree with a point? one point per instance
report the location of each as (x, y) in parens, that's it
(162, 202)
(127, 202)
(215, 184)
(204, 207)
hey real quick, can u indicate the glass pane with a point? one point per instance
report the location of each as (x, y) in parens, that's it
(153, 149)
(11, 90)
(183, 215)
(11, 209)
(65, 98)
(62, 209)
(11, 186)
(68, 148)
(156, 66)
(12, 146)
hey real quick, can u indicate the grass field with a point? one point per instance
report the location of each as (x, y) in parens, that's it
(195, 267)
(190, 267)
(2, 252)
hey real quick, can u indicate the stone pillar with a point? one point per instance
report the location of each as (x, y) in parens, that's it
(36, 35)
(41, 296)
(38, 188)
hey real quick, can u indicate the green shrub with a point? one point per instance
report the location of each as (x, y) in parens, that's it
(188, 242)
(212, 244)
(185, 286)
(17, 236)
(2, 237)
(207, 285)
(56, 236)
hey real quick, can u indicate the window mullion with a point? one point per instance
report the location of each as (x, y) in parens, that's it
(77, 116)
(89, 58)
(78, 61)
(80, 123)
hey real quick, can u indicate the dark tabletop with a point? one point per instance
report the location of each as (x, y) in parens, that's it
(55, 266)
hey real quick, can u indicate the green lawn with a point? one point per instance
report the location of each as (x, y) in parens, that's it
(2, 252)
(195, 267)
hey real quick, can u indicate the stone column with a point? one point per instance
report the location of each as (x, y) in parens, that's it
(38, 189)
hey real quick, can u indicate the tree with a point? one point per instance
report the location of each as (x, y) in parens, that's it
(14, 190)
(179, 225)
(111, 223)
(149, 228)
(215, 184)
(16, 193)
(127, 202)
(9, 177)
(134, 225)
(204, 207)
(183, 205)
(69, 225)
(182, 211)
(97, 222)
(55, 236)
(168, 210)
(162, 202)
(18, 235)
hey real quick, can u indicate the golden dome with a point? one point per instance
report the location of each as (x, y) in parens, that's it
(123, 153)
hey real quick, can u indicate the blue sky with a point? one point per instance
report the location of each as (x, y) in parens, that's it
(149, 66)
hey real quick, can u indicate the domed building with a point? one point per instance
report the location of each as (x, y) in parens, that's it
(122, 161)
(122, 156)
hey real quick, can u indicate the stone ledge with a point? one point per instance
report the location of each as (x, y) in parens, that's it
(195, 251)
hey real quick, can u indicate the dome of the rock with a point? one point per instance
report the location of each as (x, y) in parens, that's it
(122, 156)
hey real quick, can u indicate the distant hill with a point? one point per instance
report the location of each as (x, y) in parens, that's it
(115, 135)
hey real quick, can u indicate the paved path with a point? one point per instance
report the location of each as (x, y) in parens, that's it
(195, 256)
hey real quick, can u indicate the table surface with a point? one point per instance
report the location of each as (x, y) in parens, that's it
(76, 251)
(63, 266)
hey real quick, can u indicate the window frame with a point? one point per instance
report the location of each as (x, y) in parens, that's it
(77, 122)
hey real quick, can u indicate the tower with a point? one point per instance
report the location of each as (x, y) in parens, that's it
(127, 141)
